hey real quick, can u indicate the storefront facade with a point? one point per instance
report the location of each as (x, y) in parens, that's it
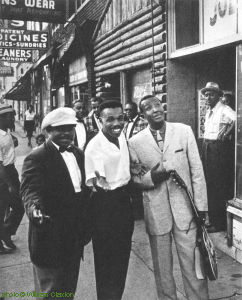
(78, 80)
(206, 46)
(130, 51)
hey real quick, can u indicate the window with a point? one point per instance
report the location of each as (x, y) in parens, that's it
(186, 23)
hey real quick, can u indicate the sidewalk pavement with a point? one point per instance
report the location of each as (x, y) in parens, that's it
(16, 268)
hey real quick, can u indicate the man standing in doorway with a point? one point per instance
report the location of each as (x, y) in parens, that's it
(108, 173)
(218, 155)
(154, 151)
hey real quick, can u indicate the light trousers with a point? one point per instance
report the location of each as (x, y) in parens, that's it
(161, 250)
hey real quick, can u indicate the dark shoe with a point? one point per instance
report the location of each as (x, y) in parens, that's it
(8, 242)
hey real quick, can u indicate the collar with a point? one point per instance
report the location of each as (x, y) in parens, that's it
(3, 132)
(161, 130)
(135, 118)
(57, 146)
(216, 107)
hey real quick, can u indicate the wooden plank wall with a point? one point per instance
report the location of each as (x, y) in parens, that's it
(124, 41)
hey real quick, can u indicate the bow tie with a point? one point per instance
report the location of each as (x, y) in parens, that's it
(69, 149)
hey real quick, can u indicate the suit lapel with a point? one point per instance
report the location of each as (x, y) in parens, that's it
(149, 140)
(168, 136)
(59, 165)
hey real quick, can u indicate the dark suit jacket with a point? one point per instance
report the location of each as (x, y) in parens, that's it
(46, 184)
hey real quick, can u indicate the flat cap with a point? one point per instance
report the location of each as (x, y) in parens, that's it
(59, 116)
(5, 108)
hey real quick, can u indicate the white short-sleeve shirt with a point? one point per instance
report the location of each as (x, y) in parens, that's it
(216, 119)
(110, 161)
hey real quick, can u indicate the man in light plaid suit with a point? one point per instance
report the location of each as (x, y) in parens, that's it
(135, 122)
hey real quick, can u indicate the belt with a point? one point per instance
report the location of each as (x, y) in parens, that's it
(121, 189)
(210, 141)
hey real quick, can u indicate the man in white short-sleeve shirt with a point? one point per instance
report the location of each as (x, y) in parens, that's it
(107, 172)
(218, 155)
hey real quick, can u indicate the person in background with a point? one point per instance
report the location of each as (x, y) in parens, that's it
(218, 155)
(108, 174)
(29, 123)
(228, 99)
(92, 120)
(9, 183)
(154, 152)
(55, 196)
(135, 123)
(80, 129)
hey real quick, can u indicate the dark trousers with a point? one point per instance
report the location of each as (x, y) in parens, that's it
(218, 164)
(13, 219)
(113, 229)
(59, 282)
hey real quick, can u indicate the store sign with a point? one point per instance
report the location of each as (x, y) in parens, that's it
(52, 11)
(15, 55)
(13, 24)
(6, 71)
(23, 39)
(220, 19)
(16, 24)
(77, 71)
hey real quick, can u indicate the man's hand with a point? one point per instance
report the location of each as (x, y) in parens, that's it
(100, 182)
(39, 217)
(159, 176)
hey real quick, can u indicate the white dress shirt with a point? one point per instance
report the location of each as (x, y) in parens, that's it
(216, 119)
(81, 135)
(73, 168)
(110, 161)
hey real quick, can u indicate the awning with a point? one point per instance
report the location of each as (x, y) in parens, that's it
(44, 59)
(21, 91)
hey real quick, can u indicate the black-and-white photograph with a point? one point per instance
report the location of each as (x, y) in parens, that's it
(121, 149)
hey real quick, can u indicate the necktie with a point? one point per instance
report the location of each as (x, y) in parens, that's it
(159, 140)
(69, 149)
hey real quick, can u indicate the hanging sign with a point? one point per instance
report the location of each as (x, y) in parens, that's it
(6, 71)
(23, 39)
(220, 19)
(51, 11)
(15, 55)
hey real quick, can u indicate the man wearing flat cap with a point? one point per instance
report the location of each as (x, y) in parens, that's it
(108, 173)
(218, 155)
(9, 182)
(54, 195)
